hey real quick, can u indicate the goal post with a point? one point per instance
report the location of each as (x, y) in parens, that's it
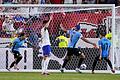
(90, 17)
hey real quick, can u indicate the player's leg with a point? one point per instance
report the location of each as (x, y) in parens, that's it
(45, 62)
(46, 54)
(12, 64)
(53, 57)
(110, 64)
(94, 63)
(17, 59)
(67, 58)
(82, 57)
(42, 64)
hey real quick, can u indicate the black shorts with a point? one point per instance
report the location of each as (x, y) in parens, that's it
(73, 51)
(16, 54)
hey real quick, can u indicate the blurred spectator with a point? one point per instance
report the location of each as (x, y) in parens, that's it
(101, 1)
(111, 1)
(7, 26)
(33, 11)
(107, 2)
(72, 1)
(32, 37)
(24, 1)
(55, 1)
(34, 1)
(1, 21)
(19, 18)
(7, 1)
(42, 2)
(89, 1)
(118, 2)
(69, 1)
(24, 10)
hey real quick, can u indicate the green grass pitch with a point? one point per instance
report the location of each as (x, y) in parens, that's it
(56, 76)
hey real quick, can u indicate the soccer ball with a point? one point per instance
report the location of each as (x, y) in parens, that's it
(83, 66)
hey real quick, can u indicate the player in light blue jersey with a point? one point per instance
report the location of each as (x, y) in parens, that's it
(17, 43)
(104, 48)
(71, 49)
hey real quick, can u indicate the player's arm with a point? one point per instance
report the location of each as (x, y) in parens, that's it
(87, 41)
(47, 24)
(109, 51)
(61, 25)
(29, 43)
(100, 50)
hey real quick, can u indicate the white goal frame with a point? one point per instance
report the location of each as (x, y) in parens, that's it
(110, 6)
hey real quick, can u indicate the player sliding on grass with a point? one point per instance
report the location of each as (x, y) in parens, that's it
(104, 48)
(74, 37)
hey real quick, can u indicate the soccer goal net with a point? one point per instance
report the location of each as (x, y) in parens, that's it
(116, 37)
(29, 18)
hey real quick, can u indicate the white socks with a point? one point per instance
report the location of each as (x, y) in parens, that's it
(45, 65)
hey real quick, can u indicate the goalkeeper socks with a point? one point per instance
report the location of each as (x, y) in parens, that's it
(80, 62)
(18, 60)
(12, 64)
(65, 62)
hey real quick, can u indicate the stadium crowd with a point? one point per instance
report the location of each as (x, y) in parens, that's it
(116, 2)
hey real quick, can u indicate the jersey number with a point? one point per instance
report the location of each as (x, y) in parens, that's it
(105, 46)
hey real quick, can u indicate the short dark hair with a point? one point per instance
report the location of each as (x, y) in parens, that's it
(21, 34)
(45, 21)
(103, 32)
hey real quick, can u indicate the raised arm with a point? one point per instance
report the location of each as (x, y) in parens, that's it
(47, 24)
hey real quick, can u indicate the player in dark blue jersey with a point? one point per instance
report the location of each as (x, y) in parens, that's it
(71, 49)
(17, 43)
(104, 48)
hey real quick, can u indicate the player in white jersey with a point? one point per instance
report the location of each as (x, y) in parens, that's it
(45, 46)
(46, 49)
(51, 57)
